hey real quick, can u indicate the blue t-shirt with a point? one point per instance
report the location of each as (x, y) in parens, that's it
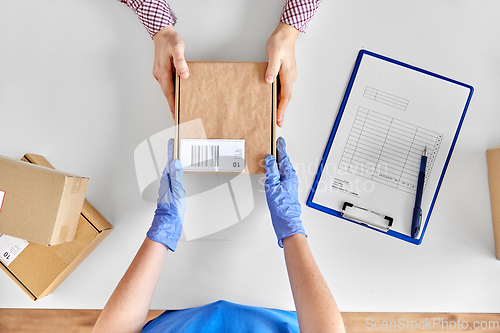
(223, 316)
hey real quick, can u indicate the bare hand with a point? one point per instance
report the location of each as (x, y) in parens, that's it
(169, 57)
(280, 49)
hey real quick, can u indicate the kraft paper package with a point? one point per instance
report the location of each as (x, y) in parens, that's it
(231, 101)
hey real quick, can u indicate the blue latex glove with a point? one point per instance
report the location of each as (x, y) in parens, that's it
(281, 194)
(169, 215)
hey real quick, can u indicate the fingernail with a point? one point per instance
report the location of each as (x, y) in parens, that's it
(269, 79)
(184, 74)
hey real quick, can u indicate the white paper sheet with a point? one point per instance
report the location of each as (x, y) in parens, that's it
(10, 248)
(392, 114)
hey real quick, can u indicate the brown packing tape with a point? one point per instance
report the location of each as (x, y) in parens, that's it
(63, 234)
(493, 158)
(76, 185)
(68, 216)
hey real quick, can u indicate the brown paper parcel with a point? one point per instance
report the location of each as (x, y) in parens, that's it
(233, 102)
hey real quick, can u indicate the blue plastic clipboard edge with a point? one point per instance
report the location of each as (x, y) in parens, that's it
(336, 213)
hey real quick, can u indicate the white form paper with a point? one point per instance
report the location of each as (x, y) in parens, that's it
(392, 114)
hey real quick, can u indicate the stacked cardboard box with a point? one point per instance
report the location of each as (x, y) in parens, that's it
(39, 269)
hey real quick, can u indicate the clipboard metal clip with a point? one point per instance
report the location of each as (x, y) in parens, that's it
(367, 217)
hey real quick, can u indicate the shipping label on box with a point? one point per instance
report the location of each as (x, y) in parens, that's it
(10, 248)
(213, 155)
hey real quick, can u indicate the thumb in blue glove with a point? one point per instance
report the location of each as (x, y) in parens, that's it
(169, 215)
(281, 188)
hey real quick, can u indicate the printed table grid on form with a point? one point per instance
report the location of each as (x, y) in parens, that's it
(388, 150)
(386, 98)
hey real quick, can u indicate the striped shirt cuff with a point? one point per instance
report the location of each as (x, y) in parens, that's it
(153, 14)
(298, 13)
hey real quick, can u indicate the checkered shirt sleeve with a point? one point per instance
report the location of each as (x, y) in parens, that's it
(298, 13)
(153, 14)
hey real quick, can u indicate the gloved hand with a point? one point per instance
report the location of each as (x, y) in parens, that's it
(169, 215)
(281, 194)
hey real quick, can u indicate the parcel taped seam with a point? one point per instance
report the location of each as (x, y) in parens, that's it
(298, 13)
(153, 14)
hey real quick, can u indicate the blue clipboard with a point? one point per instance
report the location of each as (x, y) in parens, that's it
(310, 200)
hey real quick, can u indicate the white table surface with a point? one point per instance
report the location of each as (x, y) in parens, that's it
(76, 87)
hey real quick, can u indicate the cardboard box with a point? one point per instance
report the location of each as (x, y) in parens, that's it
(39, 204)
(39, 269)
(493, 158)
(233, 102)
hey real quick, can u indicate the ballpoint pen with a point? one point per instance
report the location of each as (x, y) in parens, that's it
(417, 210)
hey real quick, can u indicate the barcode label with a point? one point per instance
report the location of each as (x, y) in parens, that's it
(212, 155)
(10, 247)
(205, 156)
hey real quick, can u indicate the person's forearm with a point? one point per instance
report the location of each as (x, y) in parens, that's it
(128, 307)
(153, 14)
(316, 308)
(298, 13)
